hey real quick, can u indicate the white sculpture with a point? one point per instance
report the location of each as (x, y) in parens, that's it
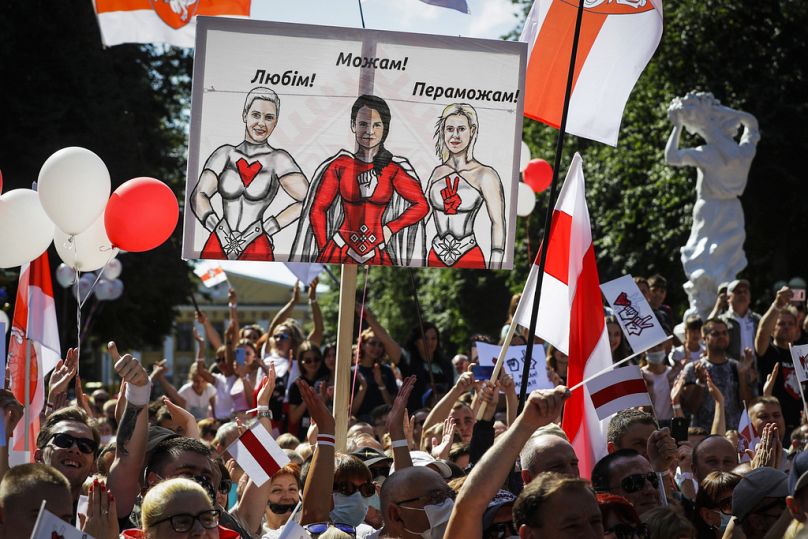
(714, 251)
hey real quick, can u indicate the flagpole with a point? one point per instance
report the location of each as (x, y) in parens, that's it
(613, 365)
(548, 219)
(27, 398)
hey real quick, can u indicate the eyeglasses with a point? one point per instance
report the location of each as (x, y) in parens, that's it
(281, 336)
(366, 489)
(435, 497)
(310, 360)
(66, 441)
(725, 505)
(318, 528)
(225, 485)
(626, 531)
(635, 482)
(184, 522)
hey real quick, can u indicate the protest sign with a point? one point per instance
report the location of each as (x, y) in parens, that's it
(514, 361)
(636, 318)
(798, 354)
(341, 145)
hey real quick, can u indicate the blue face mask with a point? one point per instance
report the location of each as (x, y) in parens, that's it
(232, 496)
(349, 509)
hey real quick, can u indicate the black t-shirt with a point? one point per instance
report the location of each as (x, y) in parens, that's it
(295, 399)
(373, 396)
(786, 387)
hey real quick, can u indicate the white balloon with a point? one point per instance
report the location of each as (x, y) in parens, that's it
(113, 269)
(65, 275)
(525, 201)
(74, 188)
(25, 229)
(524, 157)
(117, 289)
(103, 289)
(87, 251)
(5, 321)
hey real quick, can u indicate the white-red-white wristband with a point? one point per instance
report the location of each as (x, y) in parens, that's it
(399, 443)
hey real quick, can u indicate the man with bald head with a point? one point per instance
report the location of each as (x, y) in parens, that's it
(713, 454)
(547, 453)
(408, 496)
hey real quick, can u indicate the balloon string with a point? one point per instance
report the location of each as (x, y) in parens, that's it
(71, 239)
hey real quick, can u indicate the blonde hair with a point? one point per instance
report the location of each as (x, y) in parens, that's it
(463, 109)
(159, 496)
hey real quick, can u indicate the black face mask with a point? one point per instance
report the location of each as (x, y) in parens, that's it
(205, 483)
(281, 508)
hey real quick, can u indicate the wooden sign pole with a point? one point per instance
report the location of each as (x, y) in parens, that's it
(342, 378)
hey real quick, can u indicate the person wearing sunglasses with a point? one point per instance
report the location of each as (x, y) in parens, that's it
(713, 509)
(759, 503)
(627, 473)
(620, 519)
(353, 490)
(416, 502)
(69, 443)
(310, 363)
(179, 509)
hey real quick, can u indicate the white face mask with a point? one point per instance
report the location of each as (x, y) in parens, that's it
(655, 357)
(349, 509)
(438, 518)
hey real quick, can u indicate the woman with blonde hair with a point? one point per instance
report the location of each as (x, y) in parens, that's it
(456, 191)
(179, 508)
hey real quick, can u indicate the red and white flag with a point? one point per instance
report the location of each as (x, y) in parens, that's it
(616, 42)
(49, 526)
(571, 312)
(799, 353)
(160, 21)
(35, 320)
(258, 454)
(211, 274)
(617, 390)
(748, 439)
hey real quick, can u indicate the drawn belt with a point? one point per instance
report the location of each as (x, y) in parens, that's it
(449, 249)
(360, 259)
(235, 243)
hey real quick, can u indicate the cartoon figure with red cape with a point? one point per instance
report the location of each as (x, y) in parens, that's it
(457, 189)
(366, 207)
(247, 178)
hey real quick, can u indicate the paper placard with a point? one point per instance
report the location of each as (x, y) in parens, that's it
(514, 363)
(634, 314)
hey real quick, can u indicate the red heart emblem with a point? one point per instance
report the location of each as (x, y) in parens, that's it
(175, 13)
(248, 171)
(622, 300)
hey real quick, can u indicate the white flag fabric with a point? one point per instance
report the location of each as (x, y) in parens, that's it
(570, 315)
(159, 21)
(798, 355)
(258, 454)
(211, 274)
(748, 439)
(49, 526)
(617, 390)
(616, 42)
(635, 316)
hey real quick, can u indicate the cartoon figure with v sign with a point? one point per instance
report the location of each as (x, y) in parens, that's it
(457, 189)
(247, 178)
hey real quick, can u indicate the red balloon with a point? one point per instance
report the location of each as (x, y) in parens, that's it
(538, 175)
(141, 214)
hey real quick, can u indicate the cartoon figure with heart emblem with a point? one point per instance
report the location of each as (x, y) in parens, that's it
(247, 178)
(457, 189)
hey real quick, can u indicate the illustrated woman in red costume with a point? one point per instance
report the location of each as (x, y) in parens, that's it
(365, 207)
(457, 189)
(247, 178)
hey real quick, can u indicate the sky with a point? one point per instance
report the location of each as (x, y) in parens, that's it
(489, 19)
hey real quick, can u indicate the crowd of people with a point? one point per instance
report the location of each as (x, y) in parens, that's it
(431, 451)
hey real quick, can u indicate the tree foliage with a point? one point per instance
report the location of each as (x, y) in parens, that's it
(128, 105)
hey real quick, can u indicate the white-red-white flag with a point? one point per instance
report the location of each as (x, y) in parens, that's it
(258, 454)
(210, 274)
(617, 390)
(34, 320)
(617, 40)
(160, 21)
(799, 353)
(570, 313)
(748, 438)
(49, 526)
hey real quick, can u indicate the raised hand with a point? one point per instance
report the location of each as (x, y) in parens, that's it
(313, 289)
(507, 384)
(102, 514)
(409, 428)
(678, 387)
(747, 361)
(12, 411)
(127, 367)
(201, 317)
(661, 449)
(451, 200)
(771, 379)
(377, 375)
(768, 450)
(197, 337)
(466, 380)
(395, 419)
(232, 297)
(715, 393)
(296, 292)
(543, 406)
(265, 393)
(159, 369)
(64, 372)
(182, 418)
(441, 448)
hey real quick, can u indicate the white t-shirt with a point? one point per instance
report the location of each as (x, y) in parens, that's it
(660, 393)
(224, 403)
(678, 354)
(197, 404)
